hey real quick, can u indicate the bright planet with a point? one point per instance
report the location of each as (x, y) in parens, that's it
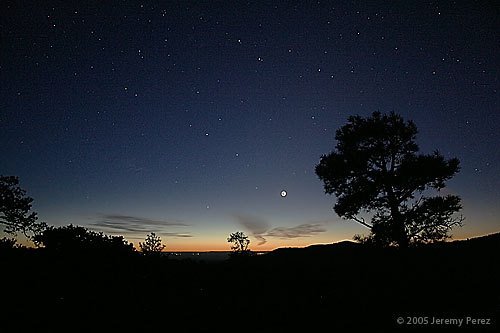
(283, 193)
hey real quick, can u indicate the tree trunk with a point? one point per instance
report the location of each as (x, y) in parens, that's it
(399, 231)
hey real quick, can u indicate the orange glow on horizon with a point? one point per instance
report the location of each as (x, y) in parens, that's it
(208, 247)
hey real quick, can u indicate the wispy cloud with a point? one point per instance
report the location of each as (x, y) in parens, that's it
(255, 225)
(260, 229)
(114, 223)
(303, 230)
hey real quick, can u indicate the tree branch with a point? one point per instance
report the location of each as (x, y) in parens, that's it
(448, 224)
(361, 221)
(405, 195)
(416, 204)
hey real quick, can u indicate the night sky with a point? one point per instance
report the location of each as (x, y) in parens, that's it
(189, 118)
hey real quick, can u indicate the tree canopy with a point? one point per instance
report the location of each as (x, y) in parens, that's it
(76, 239)
(377, 168)
(15, 209)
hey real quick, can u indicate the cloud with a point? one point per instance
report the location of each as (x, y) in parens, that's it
(175, 234)
(113, 223)
(143, 220)
(260, 229)
(303, 230)
(255, 225)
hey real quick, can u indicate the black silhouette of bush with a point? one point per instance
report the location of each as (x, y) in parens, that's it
(7, 243)
(76, 239)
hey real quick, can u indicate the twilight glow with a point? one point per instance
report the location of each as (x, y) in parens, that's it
(197, 119)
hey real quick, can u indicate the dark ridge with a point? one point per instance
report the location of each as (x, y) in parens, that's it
(481, 240)
(487, 241)
(340, 287)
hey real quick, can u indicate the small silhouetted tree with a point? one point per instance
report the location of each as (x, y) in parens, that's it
(239, 242)
(152, 245)
(15, 209)
(376, 168)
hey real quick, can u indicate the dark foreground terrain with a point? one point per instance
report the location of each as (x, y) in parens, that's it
(342, 287)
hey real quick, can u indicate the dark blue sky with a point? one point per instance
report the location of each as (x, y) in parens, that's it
(189, 118)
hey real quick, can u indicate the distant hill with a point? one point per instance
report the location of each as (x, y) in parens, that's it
(487, 242)
(317, 248)
(481, 240)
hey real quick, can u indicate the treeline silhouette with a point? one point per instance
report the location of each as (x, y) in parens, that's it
(345, 286)
(73, 240)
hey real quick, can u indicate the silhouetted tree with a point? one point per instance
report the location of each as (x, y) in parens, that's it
(15, 206)
(152, 245)
(376, 168)
(74, 239)
(239, 242)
